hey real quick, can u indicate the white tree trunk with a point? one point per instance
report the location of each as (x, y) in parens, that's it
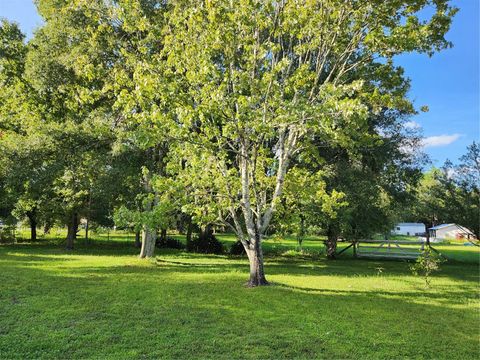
(148, 243)
(257, 274)
(149, 235)
(257, 222)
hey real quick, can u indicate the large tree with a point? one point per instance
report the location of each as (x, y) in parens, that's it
(109, 49)
(253, 83)
(26, 166)
(56, 137)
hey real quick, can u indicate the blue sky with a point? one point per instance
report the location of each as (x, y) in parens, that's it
(448, 82)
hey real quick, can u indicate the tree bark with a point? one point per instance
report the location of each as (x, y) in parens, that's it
(257, 274)
(207, 232)
(148, 243)
(331, 243)
(86, 231)
(149, 235)
(189, 232)
(257, 220)
(163, 235)
(47, 227)
(302, 231)
(138, 242)
(33, 225)
(72, 231)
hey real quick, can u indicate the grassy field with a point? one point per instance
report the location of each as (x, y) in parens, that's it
(100, 301)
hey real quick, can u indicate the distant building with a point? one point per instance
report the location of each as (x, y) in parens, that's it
(409, 229)
(450, 231)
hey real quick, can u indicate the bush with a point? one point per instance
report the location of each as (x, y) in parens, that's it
(170, 243)
(206, 244)
(293, 253)
(7, 234)
(237, 249)
(303, 254)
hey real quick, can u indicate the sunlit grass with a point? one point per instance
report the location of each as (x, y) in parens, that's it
(101, 301)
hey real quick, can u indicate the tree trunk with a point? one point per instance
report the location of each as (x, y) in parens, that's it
(149, 235)
(257, 274)
(207, 232)
(331, 243)
(86, 231)
(33, 225)
(33, 230)
(301, 233)
(138, 242)
(72, 231)
(47, 227)
(163, 236)
(148, 243)
(189, 232)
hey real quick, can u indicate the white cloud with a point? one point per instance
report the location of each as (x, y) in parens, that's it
(412, 125)
(440, 140)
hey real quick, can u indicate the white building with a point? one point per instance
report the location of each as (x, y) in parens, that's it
(450, 231)
(409, 229)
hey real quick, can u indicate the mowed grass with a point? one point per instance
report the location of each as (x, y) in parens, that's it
(101, 301)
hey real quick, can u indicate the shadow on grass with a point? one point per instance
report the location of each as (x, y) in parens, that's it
(165, 273)
(29, 258)
(446, 297)
(181, 263)
(175, 314)
(177, 261)
(349, 268)
(96, 247)
(136, 309)
(166, 269)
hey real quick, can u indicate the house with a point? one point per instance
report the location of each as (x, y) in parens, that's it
(409, 229)
(450, 231)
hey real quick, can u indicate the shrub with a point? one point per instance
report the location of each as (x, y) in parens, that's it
(205, 243)
(293, 253)
(170, 243)
(7, 234)
(237, 249)
(303, 254)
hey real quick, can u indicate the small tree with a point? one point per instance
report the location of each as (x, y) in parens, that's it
(426, 264)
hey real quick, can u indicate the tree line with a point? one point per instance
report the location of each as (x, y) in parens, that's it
(256, 117)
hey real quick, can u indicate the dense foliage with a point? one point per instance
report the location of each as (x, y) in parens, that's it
(450, 194)
(194, 115)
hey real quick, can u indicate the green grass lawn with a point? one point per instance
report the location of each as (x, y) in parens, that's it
(101, 301)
